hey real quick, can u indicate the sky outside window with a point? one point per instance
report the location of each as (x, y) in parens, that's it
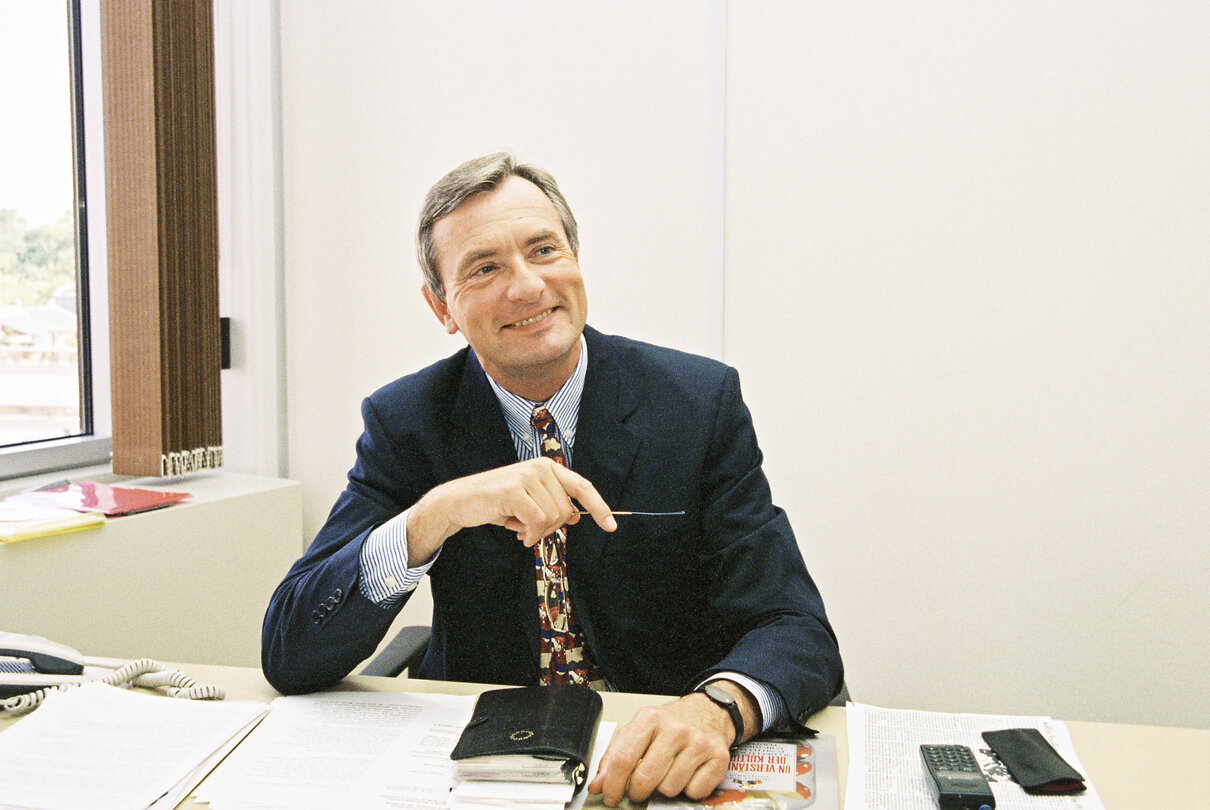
(39, 364)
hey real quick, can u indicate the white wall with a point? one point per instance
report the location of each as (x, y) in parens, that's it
(966, 282)
(381, 99)
(981, 235)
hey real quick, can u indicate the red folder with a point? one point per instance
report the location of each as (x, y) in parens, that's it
(89, 496)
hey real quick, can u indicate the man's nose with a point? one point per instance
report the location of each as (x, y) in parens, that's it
(526, 283)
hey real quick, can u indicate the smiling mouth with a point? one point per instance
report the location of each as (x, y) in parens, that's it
(534, 319)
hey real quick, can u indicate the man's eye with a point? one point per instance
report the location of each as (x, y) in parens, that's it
(545, 250)
(485, 270)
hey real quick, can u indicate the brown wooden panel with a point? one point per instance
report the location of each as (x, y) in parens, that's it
(163, 235)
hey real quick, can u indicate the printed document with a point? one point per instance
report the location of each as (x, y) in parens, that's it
(313, 749)
(886, 772)
(106, 748)
(416, 774)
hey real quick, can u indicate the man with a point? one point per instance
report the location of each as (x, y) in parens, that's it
(474, 470)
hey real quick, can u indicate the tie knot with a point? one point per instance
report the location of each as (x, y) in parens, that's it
(548, 435)
(541, 418)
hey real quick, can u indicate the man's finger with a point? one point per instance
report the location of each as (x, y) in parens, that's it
(526, 516)
(696, 771)
(562, 509)
(536, 505)
(706, 778)
(621, 757)
(579, 487)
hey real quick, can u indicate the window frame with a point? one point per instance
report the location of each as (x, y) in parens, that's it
(93, 444)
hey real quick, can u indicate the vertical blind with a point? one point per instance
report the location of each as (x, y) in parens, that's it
(161, 205)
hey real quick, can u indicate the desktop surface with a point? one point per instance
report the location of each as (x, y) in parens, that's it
(1131, 766)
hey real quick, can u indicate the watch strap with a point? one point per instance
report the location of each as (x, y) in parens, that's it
(721, 697)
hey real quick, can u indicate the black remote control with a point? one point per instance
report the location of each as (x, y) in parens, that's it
(954, 778)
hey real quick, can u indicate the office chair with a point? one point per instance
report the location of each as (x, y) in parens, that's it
(402, 653)
(408, 647)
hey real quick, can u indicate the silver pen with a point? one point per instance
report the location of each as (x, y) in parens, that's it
(640, 514)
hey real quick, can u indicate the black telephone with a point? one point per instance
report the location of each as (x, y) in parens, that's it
(28, 663)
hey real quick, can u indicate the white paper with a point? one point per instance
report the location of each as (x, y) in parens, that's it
(599, 745)
(312, 749)
(102, 747)
(519, 794)
(886, 771)
(414, 771)
(416, 774)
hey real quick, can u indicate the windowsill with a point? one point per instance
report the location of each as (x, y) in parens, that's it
(209, 485)
(62, 456)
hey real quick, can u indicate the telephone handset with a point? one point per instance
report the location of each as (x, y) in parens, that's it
(30, 666)
(43, 654)
(28, 663)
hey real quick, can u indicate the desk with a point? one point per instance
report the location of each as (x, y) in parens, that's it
(1113, 755)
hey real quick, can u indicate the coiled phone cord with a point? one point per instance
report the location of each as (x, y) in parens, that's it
(143, 672)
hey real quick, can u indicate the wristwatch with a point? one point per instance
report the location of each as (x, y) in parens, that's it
(724, 698)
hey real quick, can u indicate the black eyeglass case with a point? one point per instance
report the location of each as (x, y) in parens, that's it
(1034, 762)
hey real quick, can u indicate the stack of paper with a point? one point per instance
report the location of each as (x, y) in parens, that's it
(368, 750)
(105, 748)
(885, 771)
(529, 795)
(22, 521)
(515, 768)
(516, 781)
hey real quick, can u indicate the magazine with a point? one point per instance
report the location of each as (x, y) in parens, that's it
(773, 774)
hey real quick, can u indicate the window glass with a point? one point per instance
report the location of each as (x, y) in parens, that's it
(43, 283)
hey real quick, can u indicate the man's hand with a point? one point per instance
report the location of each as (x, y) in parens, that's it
(531, 498)
(680, 747)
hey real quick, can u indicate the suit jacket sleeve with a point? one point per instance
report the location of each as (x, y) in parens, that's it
(761, 591)
(666, 602)
(319, 625)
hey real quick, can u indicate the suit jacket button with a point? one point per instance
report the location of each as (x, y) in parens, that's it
(331, 602)
(339, 593)
(316, 617)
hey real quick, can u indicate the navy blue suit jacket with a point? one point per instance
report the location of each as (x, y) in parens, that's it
(662, 601)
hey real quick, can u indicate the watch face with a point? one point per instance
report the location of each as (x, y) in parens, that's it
(718, 694)
(727, 701)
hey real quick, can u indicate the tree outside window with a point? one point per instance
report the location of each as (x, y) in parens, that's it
(42, 369)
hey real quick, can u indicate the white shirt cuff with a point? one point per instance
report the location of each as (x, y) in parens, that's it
(385, 576)
(772, 707)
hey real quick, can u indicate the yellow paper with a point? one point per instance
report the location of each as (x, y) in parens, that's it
(20, 521)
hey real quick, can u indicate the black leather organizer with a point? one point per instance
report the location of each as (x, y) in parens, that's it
(547, 722)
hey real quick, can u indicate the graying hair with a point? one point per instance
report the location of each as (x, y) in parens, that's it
(481, 174)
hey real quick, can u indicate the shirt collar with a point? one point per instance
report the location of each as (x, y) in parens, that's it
(564, 406)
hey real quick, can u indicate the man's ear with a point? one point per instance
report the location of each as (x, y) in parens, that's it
(440, 310)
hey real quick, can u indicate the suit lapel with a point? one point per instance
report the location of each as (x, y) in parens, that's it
(605, 445)
(479, 436)
(604, 452)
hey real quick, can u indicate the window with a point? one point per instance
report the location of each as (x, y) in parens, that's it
(51, 414)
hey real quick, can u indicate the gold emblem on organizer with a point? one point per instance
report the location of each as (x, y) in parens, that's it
(518, 736)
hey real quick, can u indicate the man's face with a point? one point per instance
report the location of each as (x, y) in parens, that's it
(512, 287)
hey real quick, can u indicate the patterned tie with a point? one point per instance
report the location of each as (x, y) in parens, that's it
(563, 656)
